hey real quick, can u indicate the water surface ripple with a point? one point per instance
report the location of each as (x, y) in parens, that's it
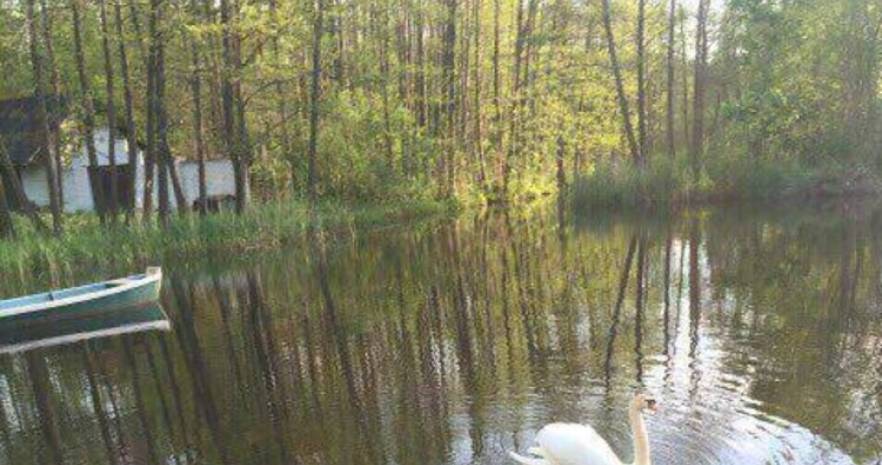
(758, 330)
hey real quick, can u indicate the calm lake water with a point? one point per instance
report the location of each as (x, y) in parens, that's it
(759, 330)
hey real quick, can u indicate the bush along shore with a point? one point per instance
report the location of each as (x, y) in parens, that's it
(667, 183)
(87, 243)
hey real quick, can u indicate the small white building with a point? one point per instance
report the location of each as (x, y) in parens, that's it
(16, 128)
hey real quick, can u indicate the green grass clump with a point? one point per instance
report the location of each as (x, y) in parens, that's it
(667, 182)
(86, 242)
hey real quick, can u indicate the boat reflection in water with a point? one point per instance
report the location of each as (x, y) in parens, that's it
(20, 337)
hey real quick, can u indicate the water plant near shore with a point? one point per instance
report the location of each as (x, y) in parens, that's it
(87, 243)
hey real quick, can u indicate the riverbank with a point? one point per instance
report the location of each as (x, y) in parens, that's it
(86, 243)
(670, 184)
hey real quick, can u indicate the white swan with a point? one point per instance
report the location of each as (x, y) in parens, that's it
(574, 444)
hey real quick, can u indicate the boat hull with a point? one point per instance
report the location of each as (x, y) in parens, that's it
(15, 337)
(86, 300)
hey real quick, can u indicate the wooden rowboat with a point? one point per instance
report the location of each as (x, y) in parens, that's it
(15, 338)
(78, 302)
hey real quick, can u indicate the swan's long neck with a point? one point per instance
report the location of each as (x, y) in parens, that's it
(641, 440)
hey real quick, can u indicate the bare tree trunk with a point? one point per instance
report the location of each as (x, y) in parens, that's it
(697, 146)
(685, 66)
(14, 190)
(243, 147)
(131, 128)
(235, 135)
(177, 188)
(641, 84)
(87, 101)
(669, 120)
(43, 118)
(315, 88)
(620, 88)
(478, 137)
(403, 44)
(449, 80)
(420, 67)
(497, 105)
(162, 148)
(111, 109)
(282, 105)
(561, 173)
(7, 227)
(382, 30)
(515, 107)
(150, 155)
(196, 90)
(229, 124)
(56, 94)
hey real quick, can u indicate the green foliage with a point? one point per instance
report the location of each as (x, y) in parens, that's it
(269, 226)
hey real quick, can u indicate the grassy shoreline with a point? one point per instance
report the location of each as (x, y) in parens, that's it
(669, 184)
(85, 243)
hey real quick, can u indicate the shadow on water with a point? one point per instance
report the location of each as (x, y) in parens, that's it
(759, 330)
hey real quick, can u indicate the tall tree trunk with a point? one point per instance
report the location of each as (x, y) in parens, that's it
(7, 227)
(162, 148)
(131, 128)
(150, 154)
(315, 88)
(515, 106)
(620, 88)
(15, 191)
(405, 64)
(449, 79)
(697, 146)
(243, 146)
(685, 65)
(229, 124)
(478, 138)
(669, 119)
(110, 110)
(561, 173)
(43, 117)
(88, 122)
(382, 17)
(56, 94)
(497, 104)
(177, 188)
(641, 83)
(282, 107)
(234, 134)
(196, 90)
(420, 67)
(529, 51)
(335, 30)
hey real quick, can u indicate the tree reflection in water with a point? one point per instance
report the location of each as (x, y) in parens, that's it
(452, 343)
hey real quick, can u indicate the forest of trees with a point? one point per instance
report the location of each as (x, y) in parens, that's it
(375, 100)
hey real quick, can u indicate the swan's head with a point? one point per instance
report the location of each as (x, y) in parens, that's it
(644, 403)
